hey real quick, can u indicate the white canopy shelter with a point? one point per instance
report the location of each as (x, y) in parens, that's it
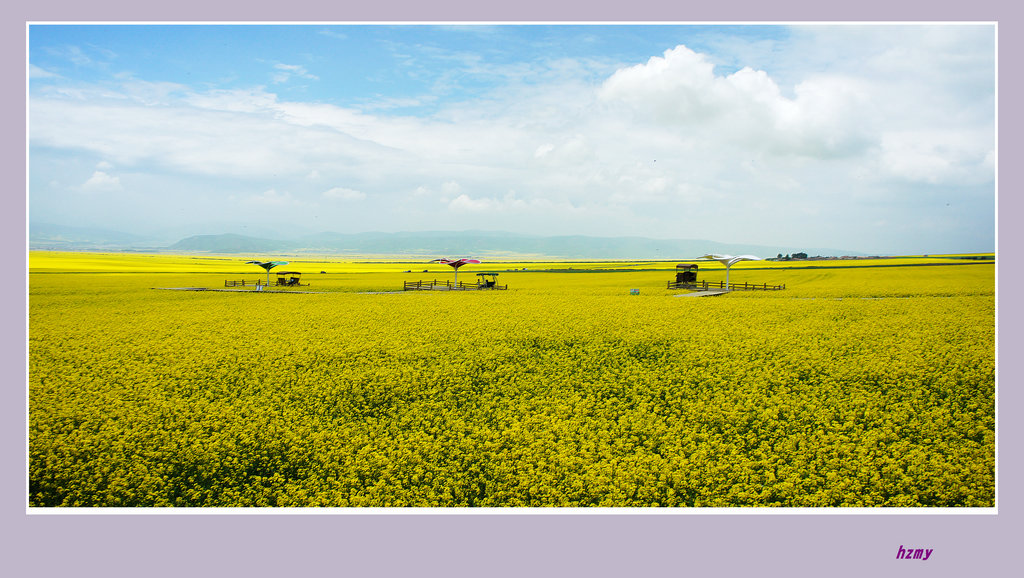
(729, 261)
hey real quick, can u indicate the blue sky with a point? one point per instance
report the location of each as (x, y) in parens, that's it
(873, 138)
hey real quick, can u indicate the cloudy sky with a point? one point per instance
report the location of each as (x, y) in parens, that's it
(873, 138)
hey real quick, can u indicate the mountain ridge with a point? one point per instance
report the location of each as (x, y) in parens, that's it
(483, 243)
(412, 243)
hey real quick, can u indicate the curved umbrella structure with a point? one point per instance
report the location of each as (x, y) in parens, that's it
(455, 264)
(268, 265)
(729, 261)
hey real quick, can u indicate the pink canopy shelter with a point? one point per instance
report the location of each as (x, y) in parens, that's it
(455, 264)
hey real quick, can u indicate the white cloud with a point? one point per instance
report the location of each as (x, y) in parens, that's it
(76, 56)
(332, 33)
(37, 73)
(153, 93)
(648, 189)
(271, 197)
(393, 103)
(285, 72)
(101, 181)
(448, 190)
(244, 100)
(509, 203)
(571, 151)
(746, 108)
(243, 140)
(936, 156)
(466, 203)
(344, 194)
(679, 86)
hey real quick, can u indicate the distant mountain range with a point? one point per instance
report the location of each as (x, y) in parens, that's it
(62, 238)
(416, 244)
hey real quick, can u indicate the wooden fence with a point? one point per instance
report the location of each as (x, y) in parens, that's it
(436, 285)
(244, 283)
(706, 285)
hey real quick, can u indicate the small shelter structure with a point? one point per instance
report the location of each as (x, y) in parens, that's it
(289, 278)
(686, 273)
(487, 280)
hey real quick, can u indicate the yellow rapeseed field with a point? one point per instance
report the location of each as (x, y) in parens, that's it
(856, 386)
